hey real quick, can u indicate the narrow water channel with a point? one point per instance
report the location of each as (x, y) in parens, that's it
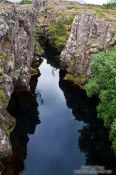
(58, 132)
(54, 146)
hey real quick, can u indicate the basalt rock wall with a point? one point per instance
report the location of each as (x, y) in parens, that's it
(16, 55)
(88, 36)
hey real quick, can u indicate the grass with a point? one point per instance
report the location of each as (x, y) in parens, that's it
(62, 15)
(26, 2)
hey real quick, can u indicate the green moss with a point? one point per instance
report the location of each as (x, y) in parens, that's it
(59, 30)
(37, 32)
(38, 49)
(1, 72)
(48, 8)
(2, 97)
(69, 77)
(90, 43)
(2, 56)
(77, 79)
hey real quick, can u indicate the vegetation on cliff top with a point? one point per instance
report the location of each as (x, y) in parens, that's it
(60, 17)
(111, 4)
(59, 30)
(26, 2)
(103, 83)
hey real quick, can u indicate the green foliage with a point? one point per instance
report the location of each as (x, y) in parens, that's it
(59, 31)
(26, 2)
(113, 135)
(37, 32)
(103, 83)
(111, 4)
(38, 49)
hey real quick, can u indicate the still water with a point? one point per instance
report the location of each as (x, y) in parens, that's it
(54, 146)
(57, 131)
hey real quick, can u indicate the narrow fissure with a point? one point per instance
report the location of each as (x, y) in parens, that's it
(57, 131)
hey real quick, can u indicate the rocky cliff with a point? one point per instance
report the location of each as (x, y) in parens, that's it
(16, 55)
(88, 36)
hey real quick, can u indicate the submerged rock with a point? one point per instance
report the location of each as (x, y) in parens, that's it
(88, 35)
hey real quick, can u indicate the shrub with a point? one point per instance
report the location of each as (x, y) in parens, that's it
(59, 31)
(111, 4)
(103, 82)
(26, 2)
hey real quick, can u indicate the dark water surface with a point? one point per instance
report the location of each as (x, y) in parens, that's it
(57, 131)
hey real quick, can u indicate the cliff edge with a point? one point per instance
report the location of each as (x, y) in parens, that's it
(88, 36)
(16, 54)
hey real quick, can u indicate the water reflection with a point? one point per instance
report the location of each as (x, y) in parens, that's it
(69, 134)
(93, 140)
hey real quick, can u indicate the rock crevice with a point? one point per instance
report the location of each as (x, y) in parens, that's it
(16, 55)
(88, 36)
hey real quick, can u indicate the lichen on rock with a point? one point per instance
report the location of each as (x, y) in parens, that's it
(16, 55)
(88, 36)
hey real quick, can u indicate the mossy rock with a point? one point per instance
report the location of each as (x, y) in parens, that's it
(37, 32)
(38, 49)
(2, 56)
(77, 79)
(1, 72)
(69, 77)
(2, 97)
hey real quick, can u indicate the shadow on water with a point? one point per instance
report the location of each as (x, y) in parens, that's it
(93, 140)
(50, 53)
(22, 106)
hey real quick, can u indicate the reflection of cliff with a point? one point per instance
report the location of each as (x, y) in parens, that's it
(93, 139)
(23, 107)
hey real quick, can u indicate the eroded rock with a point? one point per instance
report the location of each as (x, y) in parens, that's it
(87, 36)
(5, 147)
(3, 27)
(16, 55)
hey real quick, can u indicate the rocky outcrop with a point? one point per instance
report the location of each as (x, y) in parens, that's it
(16, 55)
(40, 3)
(87, 36)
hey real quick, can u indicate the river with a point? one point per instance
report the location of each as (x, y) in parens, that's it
(57, 132)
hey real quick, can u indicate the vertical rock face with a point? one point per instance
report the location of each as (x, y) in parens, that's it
(40, 3)
(87, 36)
(16, 55)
